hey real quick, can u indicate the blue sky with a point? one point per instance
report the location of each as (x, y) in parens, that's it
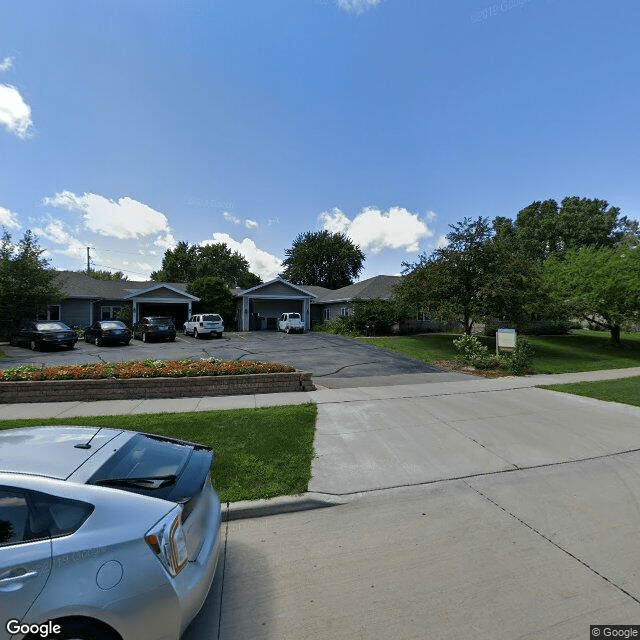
(129, 125)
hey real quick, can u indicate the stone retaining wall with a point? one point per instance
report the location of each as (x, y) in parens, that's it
(142, 388)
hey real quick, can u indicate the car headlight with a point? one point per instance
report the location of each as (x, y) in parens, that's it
(168, 542)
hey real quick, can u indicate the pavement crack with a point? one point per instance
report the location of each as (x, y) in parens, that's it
(555, 544)
(346, 366)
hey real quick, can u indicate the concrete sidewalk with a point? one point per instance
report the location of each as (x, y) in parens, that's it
(470, 384)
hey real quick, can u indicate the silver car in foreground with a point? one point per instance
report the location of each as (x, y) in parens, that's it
(105, 534)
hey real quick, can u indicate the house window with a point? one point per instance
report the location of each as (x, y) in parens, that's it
(421, 316)
(53, 312)
(344, 311)
(108, 313)
(326, 314)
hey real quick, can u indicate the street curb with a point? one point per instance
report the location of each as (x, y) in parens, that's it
(274, 506)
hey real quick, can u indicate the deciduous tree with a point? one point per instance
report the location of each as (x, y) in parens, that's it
(323, 259)
(27, 284)
(600, 284)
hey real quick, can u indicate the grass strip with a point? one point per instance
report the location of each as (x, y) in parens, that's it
(625, 390)
(578, 351)
(259, 453)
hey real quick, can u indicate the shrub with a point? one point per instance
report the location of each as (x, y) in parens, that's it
(520, 359)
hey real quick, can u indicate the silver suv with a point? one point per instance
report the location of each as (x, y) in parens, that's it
(204, 324)
(105, 534)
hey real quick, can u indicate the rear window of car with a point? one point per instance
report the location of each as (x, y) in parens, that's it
(211, 317)
(51, 326)
(144, 456)
(294, 316)
(159, 320)
(112, 325)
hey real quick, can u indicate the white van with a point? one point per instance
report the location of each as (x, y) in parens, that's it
(290, 323)
(204, 324)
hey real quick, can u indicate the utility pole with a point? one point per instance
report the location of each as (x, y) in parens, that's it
(88, 261)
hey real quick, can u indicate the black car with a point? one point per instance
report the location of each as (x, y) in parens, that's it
(107, 332)
(41, 334)
(154, 328)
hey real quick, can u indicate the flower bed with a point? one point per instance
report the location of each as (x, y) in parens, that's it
(148, 379)
(142, 369)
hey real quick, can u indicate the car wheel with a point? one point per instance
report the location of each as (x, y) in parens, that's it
(144, 337)
(98, 341)
(126, 343)
(218, 335)
(287, 330)
(33, 345)
(195, 333)
(77, 630)
(172, 339)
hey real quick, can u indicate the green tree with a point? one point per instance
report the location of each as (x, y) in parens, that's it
(323, 259)
(105, 275)
(475, 276)
(187, 263)
(600, 284)
(544, 229)
(27, 284)
(215, 297)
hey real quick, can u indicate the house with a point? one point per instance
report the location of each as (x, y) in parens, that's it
(258, 308)
(88, 299)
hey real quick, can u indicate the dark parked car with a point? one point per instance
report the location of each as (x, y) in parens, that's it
(107, 332)
(154, 328)
(41, 334)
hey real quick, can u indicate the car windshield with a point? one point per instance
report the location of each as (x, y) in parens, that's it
(211, 317)
(112, 325)
(51, 326)
(159, 320)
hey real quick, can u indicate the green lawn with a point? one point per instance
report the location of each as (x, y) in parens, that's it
(626, 390)
(579, 351)
(259, 453)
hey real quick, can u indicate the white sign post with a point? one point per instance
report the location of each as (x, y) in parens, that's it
(505, 339)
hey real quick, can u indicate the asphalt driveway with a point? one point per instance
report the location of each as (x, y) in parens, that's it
(335, 361)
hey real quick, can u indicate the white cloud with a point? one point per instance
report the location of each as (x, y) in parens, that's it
(229, 217)
(431, 216)
(264, 264)
(9, 219)
(375, 230)
(357, 6)
(15, 113)
(250, 224)
(441, 242)
(56, 233)
(6, 64)
(125, 219)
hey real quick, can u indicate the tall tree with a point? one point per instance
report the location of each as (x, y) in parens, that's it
(187, 263)
(323, 259)
(474, 276)
(215, 297)
(600, 284)
(26, 282)
(544, 229)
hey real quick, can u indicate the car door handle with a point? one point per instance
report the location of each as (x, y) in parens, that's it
(17, 577)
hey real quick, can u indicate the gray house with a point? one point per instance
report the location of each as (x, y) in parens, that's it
(257, 308)
(88, 299)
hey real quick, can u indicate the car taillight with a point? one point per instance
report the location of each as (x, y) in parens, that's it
(168, 542)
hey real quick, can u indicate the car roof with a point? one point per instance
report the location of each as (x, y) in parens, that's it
(50, 451)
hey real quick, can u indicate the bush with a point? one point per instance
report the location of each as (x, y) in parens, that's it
(474, 353)
(520, 359)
